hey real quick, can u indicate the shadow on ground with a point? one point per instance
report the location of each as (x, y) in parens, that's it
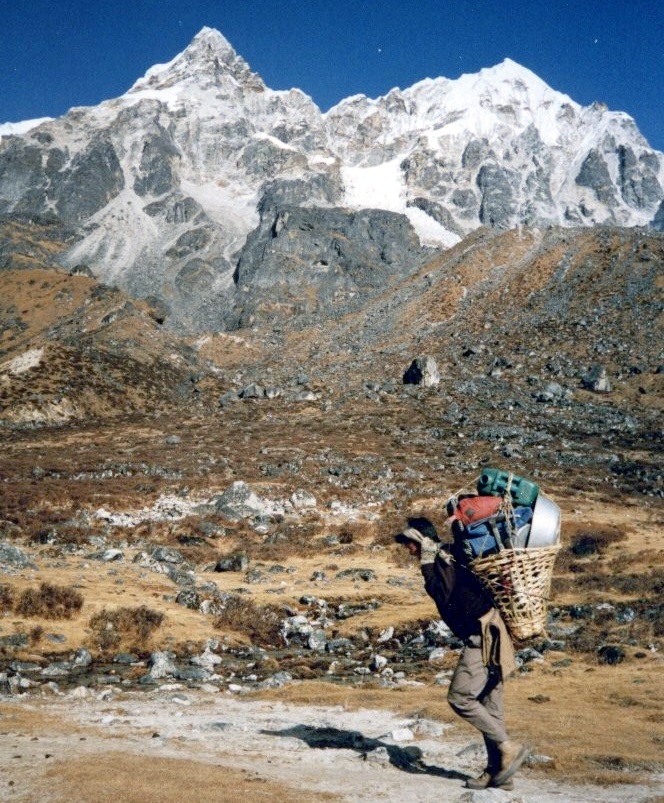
(408, 759)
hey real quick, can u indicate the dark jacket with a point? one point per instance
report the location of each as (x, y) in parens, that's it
(458, 594)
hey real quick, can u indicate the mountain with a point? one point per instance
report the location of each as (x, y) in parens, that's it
(230, 202)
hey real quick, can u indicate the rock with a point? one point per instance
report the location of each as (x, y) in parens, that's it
(192, 673)
(212, 607)
(296, 627)
(57, 669)
(207, 660)
(82, 658)
(385, 635)
(238, 501)
(438, 634)
(357, 574)
(303, 499)
(252, 392)
(161, 665)
(111, 555)
(14, 640)
(597, 380)
(611, 654)
(125, 658)
(367, 248)
(552, 392)
(228, 398)
(402, 735)
(657, 222)
(378, 663)
(430, 728)
(594, 173)
(339, 645)
(422, 371)
(237, 562)
(13, 557)
(24, 666)
(306, 396)
(527, 655)
(276, 681)
(164, 554)
(317, 641)
(188, 598)
(5, 684)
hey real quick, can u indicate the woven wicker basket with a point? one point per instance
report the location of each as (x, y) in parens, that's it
(520, 581)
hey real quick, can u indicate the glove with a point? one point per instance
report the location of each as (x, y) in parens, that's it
(428, 551)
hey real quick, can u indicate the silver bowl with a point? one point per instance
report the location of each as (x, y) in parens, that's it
(545, 526)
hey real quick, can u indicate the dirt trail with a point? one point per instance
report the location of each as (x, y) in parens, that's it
(325, 753)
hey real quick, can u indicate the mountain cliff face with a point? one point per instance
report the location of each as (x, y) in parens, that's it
(208, 190)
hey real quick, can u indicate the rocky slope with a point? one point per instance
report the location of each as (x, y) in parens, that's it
(197, 184)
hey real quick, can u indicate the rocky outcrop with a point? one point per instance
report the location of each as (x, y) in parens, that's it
(313, 259)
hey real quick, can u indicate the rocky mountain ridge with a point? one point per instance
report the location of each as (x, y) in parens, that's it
(203, 187)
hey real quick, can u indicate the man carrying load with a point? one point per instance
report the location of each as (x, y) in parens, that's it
(487, 658)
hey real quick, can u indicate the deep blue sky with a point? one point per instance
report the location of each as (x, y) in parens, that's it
(64, 53)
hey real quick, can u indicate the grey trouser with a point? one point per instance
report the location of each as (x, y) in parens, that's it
(476, 695)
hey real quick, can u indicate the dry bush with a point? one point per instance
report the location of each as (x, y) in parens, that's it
(594, 541)
(129, 627)
(49, 602)
(6, 598)
(62, 534)
(648, 585)
(36, 634)
(260, 623)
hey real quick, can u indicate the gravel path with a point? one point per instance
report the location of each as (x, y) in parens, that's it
(360, 756)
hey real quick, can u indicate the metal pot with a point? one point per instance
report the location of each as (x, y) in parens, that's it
(545, 526)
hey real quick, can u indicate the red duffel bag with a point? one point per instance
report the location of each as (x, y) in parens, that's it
(473, 508)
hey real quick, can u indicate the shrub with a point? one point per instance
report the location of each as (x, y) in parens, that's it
(131, 627)
(36, 634)
(260, 623)
(6, 598)
(49, 602)
(595, 542)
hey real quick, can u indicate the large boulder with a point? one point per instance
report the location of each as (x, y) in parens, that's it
(422, 371)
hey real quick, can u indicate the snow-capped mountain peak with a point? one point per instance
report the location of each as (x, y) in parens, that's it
(208, 60)
(180, 187)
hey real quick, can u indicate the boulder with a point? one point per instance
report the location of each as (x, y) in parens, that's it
(13, 557)
(162, 665)
(422, 371)
(597, 380)
(237, 562)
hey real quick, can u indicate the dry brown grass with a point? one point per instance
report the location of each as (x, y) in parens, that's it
(49, 601)
(129, 628)
(261, 623)
(137, 779)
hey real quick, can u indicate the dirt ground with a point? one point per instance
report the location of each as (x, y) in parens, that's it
(177, 743)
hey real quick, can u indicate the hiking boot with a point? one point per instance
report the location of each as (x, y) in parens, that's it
(512, 756)
(487, 781)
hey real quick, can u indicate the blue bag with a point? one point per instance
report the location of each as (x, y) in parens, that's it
(488, 536)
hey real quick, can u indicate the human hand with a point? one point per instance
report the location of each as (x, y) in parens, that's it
(428, 550)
